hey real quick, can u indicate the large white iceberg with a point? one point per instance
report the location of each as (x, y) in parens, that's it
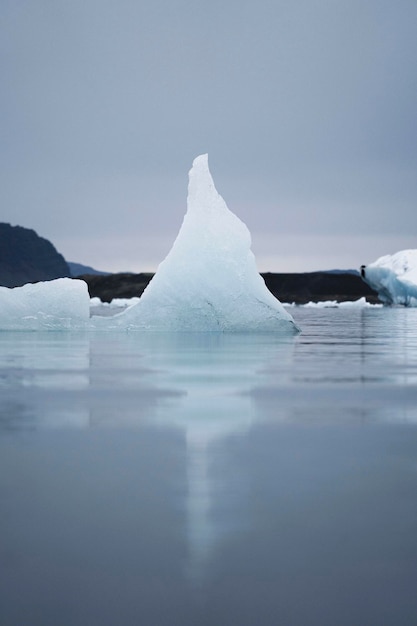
(209, 280)
(394, 277)
(62, 304)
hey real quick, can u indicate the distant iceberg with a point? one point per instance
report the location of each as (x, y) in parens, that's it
(209, 280)
(394, 277)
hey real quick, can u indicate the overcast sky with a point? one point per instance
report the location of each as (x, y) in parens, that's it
(307, 109)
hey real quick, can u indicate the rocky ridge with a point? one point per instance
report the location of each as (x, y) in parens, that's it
(27, 258)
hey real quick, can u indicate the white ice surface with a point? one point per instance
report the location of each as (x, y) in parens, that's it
(61, 304)
(394, 277)
(209, 280)
(116, 303)
(108, 309)
(334, 304)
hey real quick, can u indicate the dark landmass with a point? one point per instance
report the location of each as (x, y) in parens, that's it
(298, 288)
(27, 258)
(319, 286)
(77, 269)
(125, 285)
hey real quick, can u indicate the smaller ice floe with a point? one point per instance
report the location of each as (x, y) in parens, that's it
(116, 303)
(108, 309)
(61, 304)
(394, 277)
(334, 304)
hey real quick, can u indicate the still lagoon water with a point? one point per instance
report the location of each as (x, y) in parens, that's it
(186, 479)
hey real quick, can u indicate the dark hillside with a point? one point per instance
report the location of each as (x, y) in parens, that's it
(318, 286)
(298, 288)
(27, 258)
(123, 285)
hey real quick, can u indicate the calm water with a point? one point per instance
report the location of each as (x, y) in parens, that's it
(208, 479)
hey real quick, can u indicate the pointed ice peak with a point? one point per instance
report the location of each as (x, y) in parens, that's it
(200, 161)
(202, 194)
(200, 168)
(209, 280)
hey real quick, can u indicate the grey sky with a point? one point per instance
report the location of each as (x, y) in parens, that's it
(307, 109)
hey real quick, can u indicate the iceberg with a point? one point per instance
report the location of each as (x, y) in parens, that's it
(61, 304)
(209, 280)
(394, 277)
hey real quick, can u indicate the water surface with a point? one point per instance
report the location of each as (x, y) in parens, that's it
(211, 479)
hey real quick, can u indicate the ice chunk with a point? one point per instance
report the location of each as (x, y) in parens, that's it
(334, 304)
(394, 277)
(209, 280)
(61, 304)
(108, 309)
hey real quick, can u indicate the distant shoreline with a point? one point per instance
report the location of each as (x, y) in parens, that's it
(299, 288)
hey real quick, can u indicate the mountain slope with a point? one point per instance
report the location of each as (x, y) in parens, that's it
(27, 258)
